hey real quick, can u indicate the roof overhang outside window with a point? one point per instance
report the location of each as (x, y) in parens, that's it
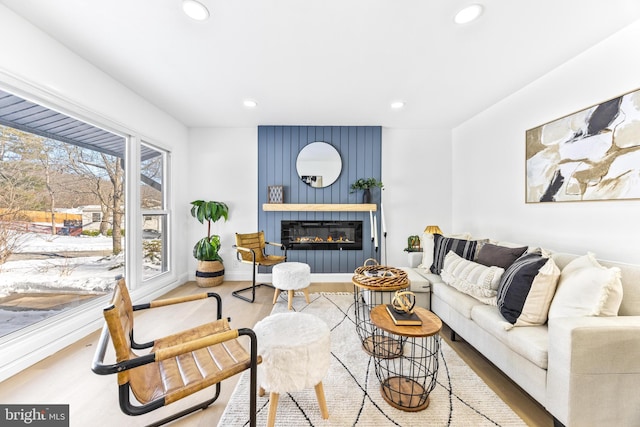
(30, 117)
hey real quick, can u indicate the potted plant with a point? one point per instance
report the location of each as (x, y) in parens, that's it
(366, 184)
(210, 270)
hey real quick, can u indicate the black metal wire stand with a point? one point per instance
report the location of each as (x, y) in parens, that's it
(374, 342)
(407, 380)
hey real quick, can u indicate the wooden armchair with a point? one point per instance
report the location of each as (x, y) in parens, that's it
(176, 366)
(250, 249)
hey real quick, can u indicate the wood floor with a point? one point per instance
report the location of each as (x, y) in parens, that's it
(66, 378)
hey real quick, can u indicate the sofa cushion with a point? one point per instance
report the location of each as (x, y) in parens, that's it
(442, 245)
(530, 343)
(586, 288)
(500, 256)
(527, 288)
(471, 278)
(462, 303)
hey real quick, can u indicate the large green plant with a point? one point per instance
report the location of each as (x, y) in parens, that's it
(207, 248)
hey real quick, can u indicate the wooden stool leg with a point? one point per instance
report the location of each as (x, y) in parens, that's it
(322, 402)
(306, 295)
(290, 298)
(260, 391)
(276, 294)
(273, 407)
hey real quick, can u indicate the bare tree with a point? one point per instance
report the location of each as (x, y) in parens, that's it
(106, 173)
(18, 186)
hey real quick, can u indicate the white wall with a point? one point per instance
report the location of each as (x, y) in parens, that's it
(223, 166)
(416, 171)
(489, 160)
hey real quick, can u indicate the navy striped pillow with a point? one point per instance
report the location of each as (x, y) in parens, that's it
(442, 245)
(526, 289)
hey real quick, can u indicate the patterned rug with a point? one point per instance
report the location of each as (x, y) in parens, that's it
(352, 389)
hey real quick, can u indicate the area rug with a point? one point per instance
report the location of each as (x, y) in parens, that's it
(352, 389)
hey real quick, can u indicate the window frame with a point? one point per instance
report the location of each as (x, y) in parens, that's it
(29, 345)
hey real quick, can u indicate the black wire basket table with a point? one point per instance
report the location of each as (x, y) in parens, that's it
(407, 380)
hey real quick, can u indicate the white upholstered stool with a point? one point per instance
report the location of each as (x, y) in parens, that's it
(295, 349)
(291, 276)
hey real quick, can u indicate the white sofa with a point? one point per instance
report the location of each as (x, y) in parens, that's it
(584, 370)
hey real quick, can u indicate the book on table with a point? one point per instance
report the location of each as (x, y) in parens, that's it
(403, 319)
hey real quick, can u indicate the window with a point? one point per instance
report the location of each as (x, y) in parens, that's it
(54, 255)
(153, 202)
(62, 213)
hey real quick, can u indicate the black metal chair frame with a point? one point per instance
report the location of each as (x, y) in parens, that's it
(253, 287)
(99, 367)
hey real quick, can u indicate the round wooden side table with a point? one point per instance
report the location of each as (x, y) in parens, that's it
(369, 292)
(407, 381)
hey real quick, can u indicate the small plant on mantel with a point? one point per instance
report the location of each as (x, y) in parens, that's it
(210, 270)
(366, 184)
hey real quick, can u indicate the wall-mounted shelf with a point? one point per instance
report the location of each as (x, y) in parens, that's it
(328, 207)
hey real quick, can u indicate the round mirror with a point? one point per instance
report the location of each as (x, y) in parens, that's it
(319, 164)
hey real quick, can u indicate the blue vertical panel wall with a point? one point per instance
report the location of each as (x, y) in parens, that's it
(360, 148)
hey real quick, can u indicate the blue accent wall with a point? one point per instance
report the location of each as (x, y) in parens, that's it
(360, 148)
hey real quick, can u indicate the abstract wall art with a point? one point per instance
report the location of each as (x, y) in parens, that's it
(593, 154)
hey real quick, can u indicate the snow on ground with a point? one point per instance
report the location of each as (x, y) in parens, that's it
(57, 274)
(45, 243)
(90, 274)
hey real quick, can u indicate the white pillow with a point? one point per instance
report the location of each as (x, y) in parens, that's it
(586, 288)
(426, 242)
(471, 278)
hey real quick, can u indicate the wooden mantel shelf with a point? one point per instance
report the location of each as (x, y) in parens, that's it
(330, 207)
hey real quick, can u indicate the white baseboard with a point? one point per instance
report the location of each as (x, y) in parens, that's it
(238, 276)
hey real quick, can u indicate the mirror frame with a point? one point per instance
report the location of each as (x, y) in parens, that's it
(319, 164)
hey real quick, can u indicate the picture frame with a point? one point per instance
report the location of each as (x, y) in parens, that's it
(592, 154)
(275, 194)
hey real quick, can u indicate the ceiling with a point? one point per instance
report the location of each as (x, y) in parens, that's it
(326, 62)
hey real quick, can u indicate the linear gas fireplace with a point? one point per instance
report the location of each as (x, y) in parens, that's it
(321, 235)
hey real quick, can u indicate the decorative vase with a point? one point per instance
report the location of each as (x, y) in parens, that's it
(209, 273)
(366, 196)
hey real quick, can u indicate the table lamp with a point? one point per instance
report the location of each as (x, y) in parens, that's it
(433, 229)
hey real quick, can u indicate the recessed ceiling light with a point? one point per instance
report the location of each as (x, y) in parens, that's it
(195, 10)
(468, 14)
(250, 103)
(396, 105)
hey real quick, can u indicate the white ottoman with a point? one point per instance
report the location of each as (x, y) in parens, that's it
(295, 349)
(291, 276)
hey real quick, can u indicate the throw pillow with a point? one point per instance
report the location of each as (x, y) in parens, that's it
(426, 241)
(586, 288)
(471, 278)
(500, 256)
(442, 245)
(527, 288)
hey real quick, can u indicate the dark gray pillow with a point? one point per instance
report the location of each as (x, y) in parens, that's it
(500, 256)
